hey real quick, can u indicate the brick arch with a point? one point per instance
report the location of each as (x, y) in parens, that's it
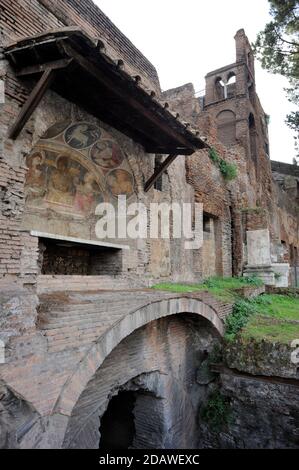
(123, 328)
(226, 126)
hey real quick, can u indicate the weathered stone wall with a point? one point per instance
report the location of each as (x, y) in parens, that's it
(262, 415)
(236, 126)
(74, 333)
(259, 382)
(150, 258)
(59, 329)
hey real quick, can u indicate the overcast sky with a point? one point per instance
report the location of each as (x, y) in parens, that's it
(187, 39)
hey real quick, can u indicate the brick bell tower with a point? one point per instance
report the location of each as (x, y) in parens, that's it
(232, 102)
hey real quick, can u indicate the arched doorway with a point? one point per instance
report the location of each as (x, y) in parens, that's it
(146, 393)
(117, 424)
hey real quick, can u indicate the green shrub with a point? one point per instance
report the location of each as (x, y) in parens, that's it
(242, 310)
(214, 155)
(217, 411)
(253, 280)
(228, 170)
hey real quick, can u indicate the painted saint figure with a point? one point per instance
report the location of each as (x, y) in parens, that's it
(107, 154)
(86, 192)
(35, 178)
(120, 182)
(60, 187)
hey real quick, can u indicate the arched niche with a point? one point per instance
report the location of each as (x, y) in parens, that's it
(226, 127)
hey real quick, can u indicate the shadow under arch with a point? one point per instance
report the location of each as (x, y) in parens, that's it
(123, 328)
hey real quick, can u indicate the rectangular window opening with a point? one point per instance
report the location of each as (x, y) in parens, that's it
(59, 257)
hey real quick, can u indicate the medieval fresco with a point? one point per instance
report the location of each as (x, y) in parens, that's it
(72, 168)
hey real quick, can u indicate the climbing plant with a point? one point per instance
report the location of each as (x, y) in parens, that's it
(228, 170)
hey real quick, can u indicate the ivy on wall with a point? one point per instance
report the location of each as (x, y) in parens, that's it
(228, 170)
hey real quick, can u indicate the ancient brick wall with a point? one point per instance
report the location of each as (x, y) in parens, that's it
(235, 124)
(172, 353)
(29, 18)
(37, 16)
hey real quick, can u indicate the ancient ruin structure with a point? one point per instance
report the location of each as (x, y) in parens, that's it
(86, 342)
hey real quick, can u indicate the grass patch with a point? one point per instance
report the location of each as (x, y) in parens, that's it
(272, 317)
(177, 287)
(276, 319)
(280, 306)
(269, 317)
(267, 329)
(221, 288)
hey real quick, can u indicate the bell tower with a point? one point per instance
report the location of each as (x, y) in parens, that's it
(232, 102)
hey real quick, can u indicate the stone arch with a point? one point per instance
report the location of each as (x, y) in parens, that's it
(231, 77)
(162, 365)
(123, 328)
(226, 127)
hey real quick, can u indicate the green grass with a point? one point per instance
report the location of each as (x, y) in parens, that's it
(265, 328)
(221, 288)
(273, 318)
(276, 319)
(280, 306)
(178, 287)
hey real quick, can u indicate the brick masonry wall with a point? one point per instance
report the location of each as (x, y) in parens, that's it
(172, 353)
(49, 331)
(29, 18)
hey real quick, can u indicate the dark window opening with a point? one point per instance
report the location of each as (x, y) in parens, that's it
(207, 223)
(159, 182)
(66, 258)
(117, 423)
(252, 135)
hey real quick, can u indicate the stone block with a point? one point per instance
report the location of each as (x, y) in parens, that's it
(258, 248)
(281, 274)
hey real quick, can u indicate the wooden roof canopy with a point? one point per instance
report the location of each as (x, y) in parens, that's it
(77, 68)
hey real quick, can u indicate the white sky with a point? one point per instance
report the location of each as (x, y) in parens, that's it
(187, 39)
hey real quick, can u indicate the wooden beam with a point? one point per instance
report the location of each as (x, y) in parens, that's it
(32, 102)
(151, 181)
(125, 96)
(164, 150)
(32, 69)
